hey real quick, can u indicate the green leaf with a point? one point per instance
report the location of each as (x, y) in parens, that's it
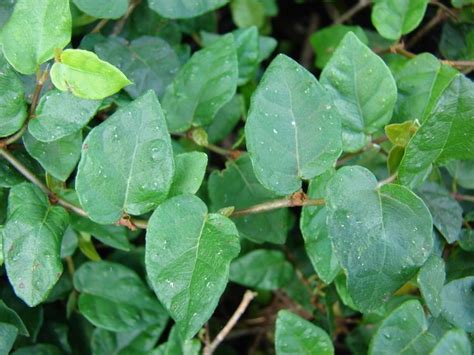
(226, 119)
(175, 9)
(103, 8)
(456, 41)
(189, 174)
(295, 335)
(8, 334)
(431, 279)
(188, 253)
(203, 86)
(34, 31)
(113, 297)
(378, 253)
(38, 349)
(454, 342)
(270, 270)
(6, 9)
(315, 232)
(247, 13)
(291, 116)
(443, 135)
(466, 239)
(400, 134)
(363, 88)
(237, 186)
(60, 114)
(446, 211)
(462, 172)
(149, 62)
(12, 100)
(457, 300)
(59, 157)
(326, 40)
(394, 18)
(85, 75)
(127, 163)
(10, 317)
(177, 345)
(31, 243)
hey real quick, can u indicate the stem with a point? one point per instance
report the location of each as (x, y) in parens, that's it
(307, 50)
(70, 265)
(100, 25)
(453, 63)
(362, 4)
(435, 21)
(461, 197)
(248, 297)
(446, 9)
(388, 180)
(121, 23)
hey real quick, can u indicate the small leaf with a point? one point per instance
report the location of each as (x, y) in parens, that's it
(176, 345)
(189, 174)
(131, 170)
(225, 120)
(295, 335)
(34, 31)
(9, 316)
(247, 13)
(31, 243)
(188, 253)
(431, 279)
(291, 116)
(453, 342)
(457, 300)
(462, 172)
(103, 8)
(364, 91)
(203, 86)
(113, 297)
(270, 270)
(8, 334)
(400, 134)
(86, 76)
(172, 9)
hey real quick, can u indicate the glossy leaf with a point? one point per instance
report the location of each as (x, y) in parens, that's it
(113, 297)
(34, 31)
(454, 342)
(85, 75)
(431, 279)
(60, 114)
(189, 174)
(8, 334)
(457, 300)
(188, 253)
(291, 116)
(203, 86)
(443, 135)
(270, 270)
(103, 8)
(377, 253)
(179, 9)
(237, 186)
(31, 243)
(126, 164)
(295, 335)
(226, 119)
(363, 88)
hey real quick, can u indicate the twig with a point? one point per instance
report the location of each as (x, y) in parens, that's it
(70, 265)
(399, 48)
(100, 25)
(121, 23)
(362, 4)
(388, 180)
(445, 9)
(306, 57)
(248, 297)
(435, 21)
(461, 197)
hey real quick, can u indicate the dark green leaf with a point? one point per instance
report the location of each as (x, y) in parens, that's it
(10, 317)
(177, 9)
(226, 119)
(8, 335)
(454, 342)
(189, 173)
(457, 301)
(431, 279)
(103, 8)
(177, 345)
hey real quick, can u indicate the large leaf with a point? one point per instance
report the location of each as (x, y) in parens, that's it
(34, 31)
(203, 85)
(237, 186)
(127, 163)
(188, 253)
(149, 62)
(103, 8)
(444, 135)
(378, 253)
(60, 114)
(113, 297)
(86, 76)
(12, 100)
(457, 300)
(315, 232)
(295, 335)
(31, 243)
(394, 18)
(184, 9)
(293, 118)
(430, 280)
(364, 90)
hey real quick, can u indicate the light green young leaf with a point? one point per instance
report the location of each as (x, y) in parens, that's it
(364, 91)
(127, 163)
(237, 186)
(394, 18)
(295, 335)
(60, 114)
(457, 300)
(270, 270)
(59, 157)
(181, 9)
(453, 342)
(110, 9)
(12, 100)
(150, 62)
(113, 297)
(248, 13)
(430, 280)
(31, 243)
(34, 31)
(378, 253)
(291, 117)
(444, 135)
(188, 253)
(190, 169)
(86, 76)
(315, 232)
(203, 86)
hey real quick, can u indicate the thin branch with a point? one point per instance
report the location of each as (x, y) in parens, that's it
(445, 9)
(121, 23)
(307, 52)
(461, 197)
(70, 265)
(435, 21)
(248, 297)
(399, 48)
(388, 180)
(100, 25)
(362, 4)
